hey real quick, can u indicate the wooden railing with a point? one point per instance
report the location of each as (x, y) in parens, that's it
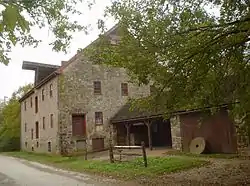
(121, 148)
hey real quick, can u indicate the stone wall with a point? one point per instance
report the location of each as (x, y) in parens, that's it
(175, 132)
(76, 95)
(45, 108)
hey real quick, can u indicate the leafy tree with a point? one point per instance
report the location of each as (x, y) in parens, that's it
(11, 120)
(17, 18)
(196, 52)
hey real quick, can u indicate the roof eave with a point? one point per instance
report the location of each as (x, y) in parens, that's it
(44, 81)
(27, 95)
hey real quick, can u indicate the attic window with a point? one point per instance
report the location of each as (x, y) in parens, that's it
(43, 95)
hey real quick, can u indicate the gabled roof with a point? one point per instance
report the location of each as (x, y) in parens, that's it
(55, 70)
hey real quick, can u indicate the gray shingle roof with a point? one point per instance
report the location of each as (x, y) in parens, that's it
(127, 114)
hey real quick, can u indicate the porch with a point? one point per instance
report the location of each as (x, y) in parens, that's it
(133, 127)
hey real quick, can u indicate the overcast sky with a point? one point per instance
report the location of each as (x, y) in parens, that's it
(12, 76)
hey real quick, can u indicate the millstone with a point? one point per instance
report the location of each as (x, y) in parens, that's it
(197, 145)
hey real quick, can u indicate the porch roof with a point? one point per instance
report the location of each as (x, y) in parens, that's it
(125, 114)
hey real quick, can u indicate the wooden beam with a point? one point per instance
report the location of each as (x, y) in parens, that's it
(127, 147)
(128, 125)
(148, 124)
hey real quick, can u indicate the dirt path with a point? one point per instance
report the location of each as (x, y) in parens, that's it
(219, 172)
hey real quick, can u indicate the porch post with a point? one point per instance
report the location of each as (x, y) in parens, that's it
(128, 125)
(148, 123)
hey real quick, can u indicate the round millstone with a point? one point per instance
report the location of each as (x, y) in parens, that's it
(197, 145)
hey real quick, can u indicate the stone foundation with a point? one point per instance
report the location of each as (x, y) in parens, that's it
(176, 132)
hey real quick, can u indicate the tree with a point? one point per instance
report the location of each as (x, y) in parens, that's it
(11, 120)
(18, 17)
(196, 52)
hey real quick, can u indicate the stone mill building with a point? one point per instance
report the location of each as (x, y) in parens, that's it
(81, 104)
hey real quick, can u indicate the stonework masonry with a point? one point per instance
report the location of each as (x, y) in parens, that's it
(76, 96)
(29, 117)
(176, 132)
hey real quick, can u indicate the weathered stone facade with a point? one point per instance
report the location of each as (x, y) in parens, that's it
(176, 132)
(76, 96)
(29, 117)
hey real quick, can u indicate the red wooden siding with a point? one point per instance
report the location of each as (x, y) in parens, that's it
(218, 131)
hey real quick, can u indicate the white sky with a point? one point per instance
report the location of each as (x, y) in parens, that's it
(12, 76)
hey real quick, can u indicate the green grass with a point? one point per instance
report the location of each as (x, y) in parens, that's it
(126, 170)
(220, 156)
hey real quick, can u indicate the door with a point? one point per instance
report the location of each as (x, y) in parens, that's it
(98, 144)
(78, 125)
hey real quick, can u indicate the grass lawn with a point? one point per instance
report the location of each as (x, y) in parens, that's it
(220, 156)
(126, 170)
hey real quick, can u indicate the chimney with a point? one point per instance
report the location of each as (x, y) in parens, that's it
(63, 63)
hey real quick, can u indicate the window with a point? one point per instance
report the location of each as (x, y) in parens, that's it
(97, 87)
(32, 148)
(98, 118)
(37, 144)
(26, 144)
(49, 146)
(152, 89)
(43, 122)
(124, 88)
(25, 127)
(42, 94)
(50, 90)
(37, 130)
(36, 104)
(51, 121)
(31, 103)
(25, 106)
(32, 134)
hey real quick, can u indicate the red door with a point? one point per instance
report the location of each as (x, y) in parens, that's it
(78, 125)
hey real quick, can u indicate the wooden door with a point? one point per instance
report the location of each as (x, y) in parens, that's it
(98, 144)
(78, 125)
